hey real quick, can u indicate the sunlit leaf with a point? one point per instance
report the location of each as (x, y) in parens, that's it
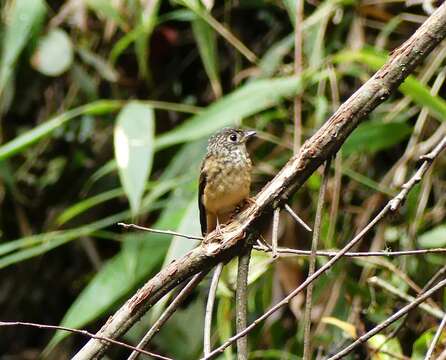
(133, 140)
(54, 53)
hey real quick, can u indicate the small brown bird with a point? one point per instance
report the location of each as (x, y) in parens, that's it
(225, 177)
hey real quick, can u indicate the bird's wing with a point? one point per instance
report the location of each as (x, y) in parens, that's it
(201, 186)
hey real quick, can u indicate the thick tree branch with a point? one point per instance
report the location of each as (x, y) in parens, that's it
(220, 247)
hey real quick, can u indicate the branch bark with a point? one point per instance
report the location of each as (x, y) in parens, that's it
(220, 247)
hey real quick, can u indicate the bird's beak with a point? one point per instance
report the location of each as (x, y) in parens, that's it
(249, 134)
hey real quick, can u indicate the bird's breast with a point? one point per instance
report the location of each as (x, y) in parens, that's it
(227, 184)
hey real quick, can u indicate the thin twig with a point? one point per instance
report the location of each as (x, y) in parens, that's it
(312, 265)
(296, 217)
(275, 232)
(84, 333)
(286, 252)
(297, 72)
(434, 278)
(210, 308)
(434, 342)
(289, 252)
(442, 355)
(393, 290)
(388, 321)
(156, 231)
(393, 205)
(396, 201)
(168, 312)
(337, 163)
(241, 299)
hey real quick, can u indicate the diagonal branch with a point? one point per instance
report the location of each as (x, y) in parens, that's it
(396, 202)
(220, 247)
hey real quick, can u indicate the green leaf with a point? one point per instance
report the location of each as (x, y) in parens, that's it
(421, 345)
(207, 46)
(23, 19)
(374, 136)
(243, 102)
(54, 53)
(87, 307)
(433, 238)
(133, 140)
(30, 137)
(420, 94)
(99, 107)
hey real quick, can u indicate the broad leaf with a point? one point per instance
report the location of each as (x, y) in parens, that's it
(23, 18)
(133, 140)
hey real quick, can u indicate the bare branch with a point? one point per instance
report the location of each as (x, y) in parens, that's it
(434, 278)
(400, 196)
(83, 333)
(170, 310)
(383, 284)
(389, 321)
(296, 217)
(210, 309)
(275, 232)
(312, 265)
(434, 342)
(223, 246)
(298, 21)
(156, 231)
(241, 299)
(286, 252)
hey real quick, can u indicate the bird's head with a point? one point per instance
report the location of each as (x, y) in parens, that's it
(229, 140)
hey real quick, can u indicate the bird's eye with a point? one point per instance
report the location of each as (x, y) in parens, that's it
(233, 137)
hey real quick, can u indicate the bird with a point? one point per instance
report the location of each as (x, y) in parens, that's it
(225, 177)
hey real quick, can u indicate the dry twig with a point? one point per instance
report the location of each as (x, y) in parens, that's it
(241, 299)
(84, 333)
(210, 309)
(434, 342)
(312, 265)
(388, 321)
(173, 306)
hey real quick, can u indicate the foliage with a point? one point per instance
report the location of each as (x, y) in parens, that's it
(105, 107)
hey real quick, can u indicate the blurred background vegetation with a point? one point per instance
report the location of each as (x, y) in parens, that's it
(105, 107)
